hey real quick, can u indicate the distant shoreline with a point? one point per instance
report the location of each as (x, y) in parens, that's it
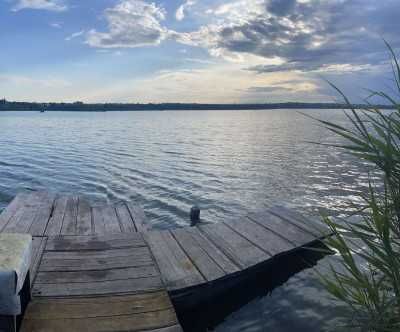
(110, 107)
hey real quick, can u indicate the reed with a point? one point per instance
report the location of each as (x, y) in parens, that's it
(370, 289)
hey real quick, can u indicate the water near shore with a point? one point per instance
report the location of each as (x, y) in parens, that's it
(228, 162)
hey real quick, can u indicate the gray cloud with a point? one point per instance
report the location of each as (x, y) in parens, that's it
(308, 35)
(281, 7)
(268, 89)
(314, 35)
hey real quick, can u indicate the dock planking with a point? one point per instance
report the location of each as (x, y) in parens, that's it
(103, 268)
(47, 214)
(176, 267)
(98, 283)
(235, 246)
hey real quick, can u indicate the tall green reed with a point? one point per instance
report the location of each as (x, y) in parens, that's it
(370, 289)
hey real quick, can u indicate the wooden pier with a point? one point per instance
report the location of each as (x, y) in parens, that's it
(102, 268)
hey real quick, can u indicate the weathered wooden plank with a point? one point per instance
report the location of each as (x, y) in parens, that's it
(11, 209)
(70, 217)
(97, 254)
(85, 264)
(139, 322)
(84, 218)
(38, 245)
(176, 268)
(96, 242)
(310, 225)
(261, 237)
(213, 251)
(138, 217)
(111, 222)
(43, 214)
(23, 218)
(175, 328)
(236, 247)
(80, 308)
(96, 275)
(102, 287)
(99, 226)
(56, 221)
(125, 219)
(204, 263)
(281, 227)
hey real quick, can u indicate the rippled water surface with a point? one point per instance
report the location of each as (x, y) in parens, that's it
(228, 162)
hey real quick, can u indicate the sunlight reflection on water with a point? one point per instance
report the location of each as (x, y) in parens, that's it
(228, 162)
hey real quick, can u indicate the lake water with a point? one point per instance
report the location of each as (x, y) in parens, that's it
(228, 162)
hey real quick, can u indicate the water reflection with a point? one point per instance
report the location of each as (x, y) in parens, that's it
(230, 163)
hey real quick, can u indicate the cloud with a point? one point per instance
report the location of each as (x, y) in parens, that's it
(267, 36)
(285, 87)
(20, 80)
(216, 83)
(75, 35)
(180, 12)
(51, 5)
(268, 89)
(56, 25)
(131, 23)
(281, 7)
(306, 35)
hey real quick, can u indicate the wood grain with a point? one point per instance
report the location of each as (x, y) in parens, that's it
(235, 246)
(176, 268)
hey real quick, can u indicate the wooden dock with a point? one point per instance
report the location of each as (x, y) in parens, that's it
(102, 268)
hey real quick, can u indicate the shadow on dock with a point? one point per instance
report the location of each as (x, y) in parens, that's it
(207, 314)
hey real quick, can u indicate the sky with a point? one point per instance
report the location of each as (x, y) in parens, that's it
(203, 51)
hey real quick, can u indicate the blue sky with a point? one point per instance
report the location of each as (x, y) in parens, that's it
(214, 51)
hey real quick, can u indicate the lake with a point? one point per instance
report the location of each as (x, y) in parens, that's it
(227, 162)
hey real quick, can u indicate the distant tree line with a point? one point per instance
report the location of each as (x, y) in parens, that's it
(108, 107)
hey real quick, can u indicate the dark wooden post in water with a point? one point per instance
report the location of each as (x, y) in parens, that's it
(194, 215)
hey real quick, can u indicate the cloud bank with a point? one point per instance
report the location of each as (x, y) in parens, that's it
(303, 35)
(51, 5)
